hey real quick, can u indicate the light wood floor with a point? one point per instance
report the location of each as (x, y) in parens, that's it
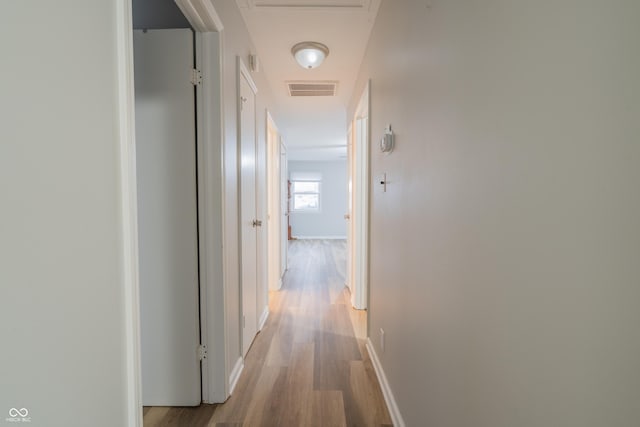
(309, 365)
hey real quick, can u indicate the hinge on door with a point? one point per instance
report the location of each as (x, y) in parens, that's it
(202, 352)
(196, 77)
(244, 321)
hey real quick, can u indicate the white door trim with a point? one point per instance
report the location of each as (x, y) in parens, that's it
(201, 15)
(274, 205)
(245, 72)
(349, 279)
(129, 211)
(215, 387)
(284, 202)
(360, 296)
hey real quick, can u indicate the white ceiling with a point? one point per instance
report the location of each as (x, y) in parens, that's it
(308, 124)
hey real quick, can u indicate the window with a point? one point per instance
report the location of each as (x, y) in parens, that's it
(306, 195)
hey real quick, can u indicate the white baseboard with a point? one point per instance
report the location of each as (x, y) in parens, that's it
(321, 237)
(235, 375)
(215, 398)
(396, 417)
(263, 318)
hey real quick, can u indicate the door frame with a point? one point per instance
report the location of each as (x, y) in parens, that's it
(284, 217)
(205, 21)
(274, 205)
(211, 218)
(209, 34)
(359, 220)
(349, 279)
(129, 210)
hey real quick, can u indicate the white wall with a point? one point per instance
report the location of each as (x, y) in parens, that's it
(504, 255)
(329, 221)
(62, 290)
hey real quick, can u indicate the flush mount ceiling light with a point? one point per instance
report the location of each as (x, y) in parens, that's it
(310, 54)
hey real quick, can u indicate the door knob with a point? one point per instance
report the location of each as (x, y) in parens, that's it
(347, 216)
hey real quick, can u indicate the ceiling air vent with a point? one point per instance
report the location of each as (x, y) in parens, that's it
(315, 4)
(312, 88)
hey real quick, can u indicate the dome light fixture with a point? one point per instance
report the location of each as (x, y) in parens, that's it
(310, 54)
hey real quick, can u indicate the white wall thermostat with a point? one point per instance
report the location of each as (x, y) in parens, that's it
(386, 143)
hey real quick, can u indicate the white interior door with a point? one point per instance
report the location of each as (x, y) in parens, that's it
(167, 217)
(349, 214)
(248, 209)
(274, 253)
(284, 211)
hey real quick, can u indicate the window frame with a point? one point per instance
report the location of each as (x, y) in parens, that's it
(294, 193)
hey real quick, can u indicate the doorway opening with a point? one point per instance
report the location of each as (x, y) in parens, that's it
(177, 56)
(358, 215)
(277, 206)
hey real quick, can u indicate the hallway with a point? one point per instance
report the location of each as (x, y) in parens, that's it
(309, 365)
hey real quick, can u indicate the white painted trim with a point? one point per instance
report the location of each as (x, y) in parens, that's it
(273, 123)
(321, 237)
(390, 400)
(224, 236)
(205, 226)
(274, 204)
(359, 296)
(367, 206)
(210, 219)
(245, 72)
(235, 374)
(201, 15)
(350, 226)
(129, 212)
(284, 231)
(263, 318)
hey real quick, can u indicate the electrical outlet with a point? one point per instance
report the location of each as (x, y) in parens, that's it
(382, 340)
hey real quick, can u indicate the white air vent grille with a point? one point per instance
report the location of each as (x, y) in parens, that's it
(314, 4)
(312, 88)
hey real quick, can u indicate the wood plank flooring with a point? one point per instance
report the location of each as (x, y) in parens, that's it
(309, 365)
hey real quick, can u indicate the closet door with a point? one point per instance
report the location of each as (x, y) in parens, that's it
(167, 217)
(249, 222)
